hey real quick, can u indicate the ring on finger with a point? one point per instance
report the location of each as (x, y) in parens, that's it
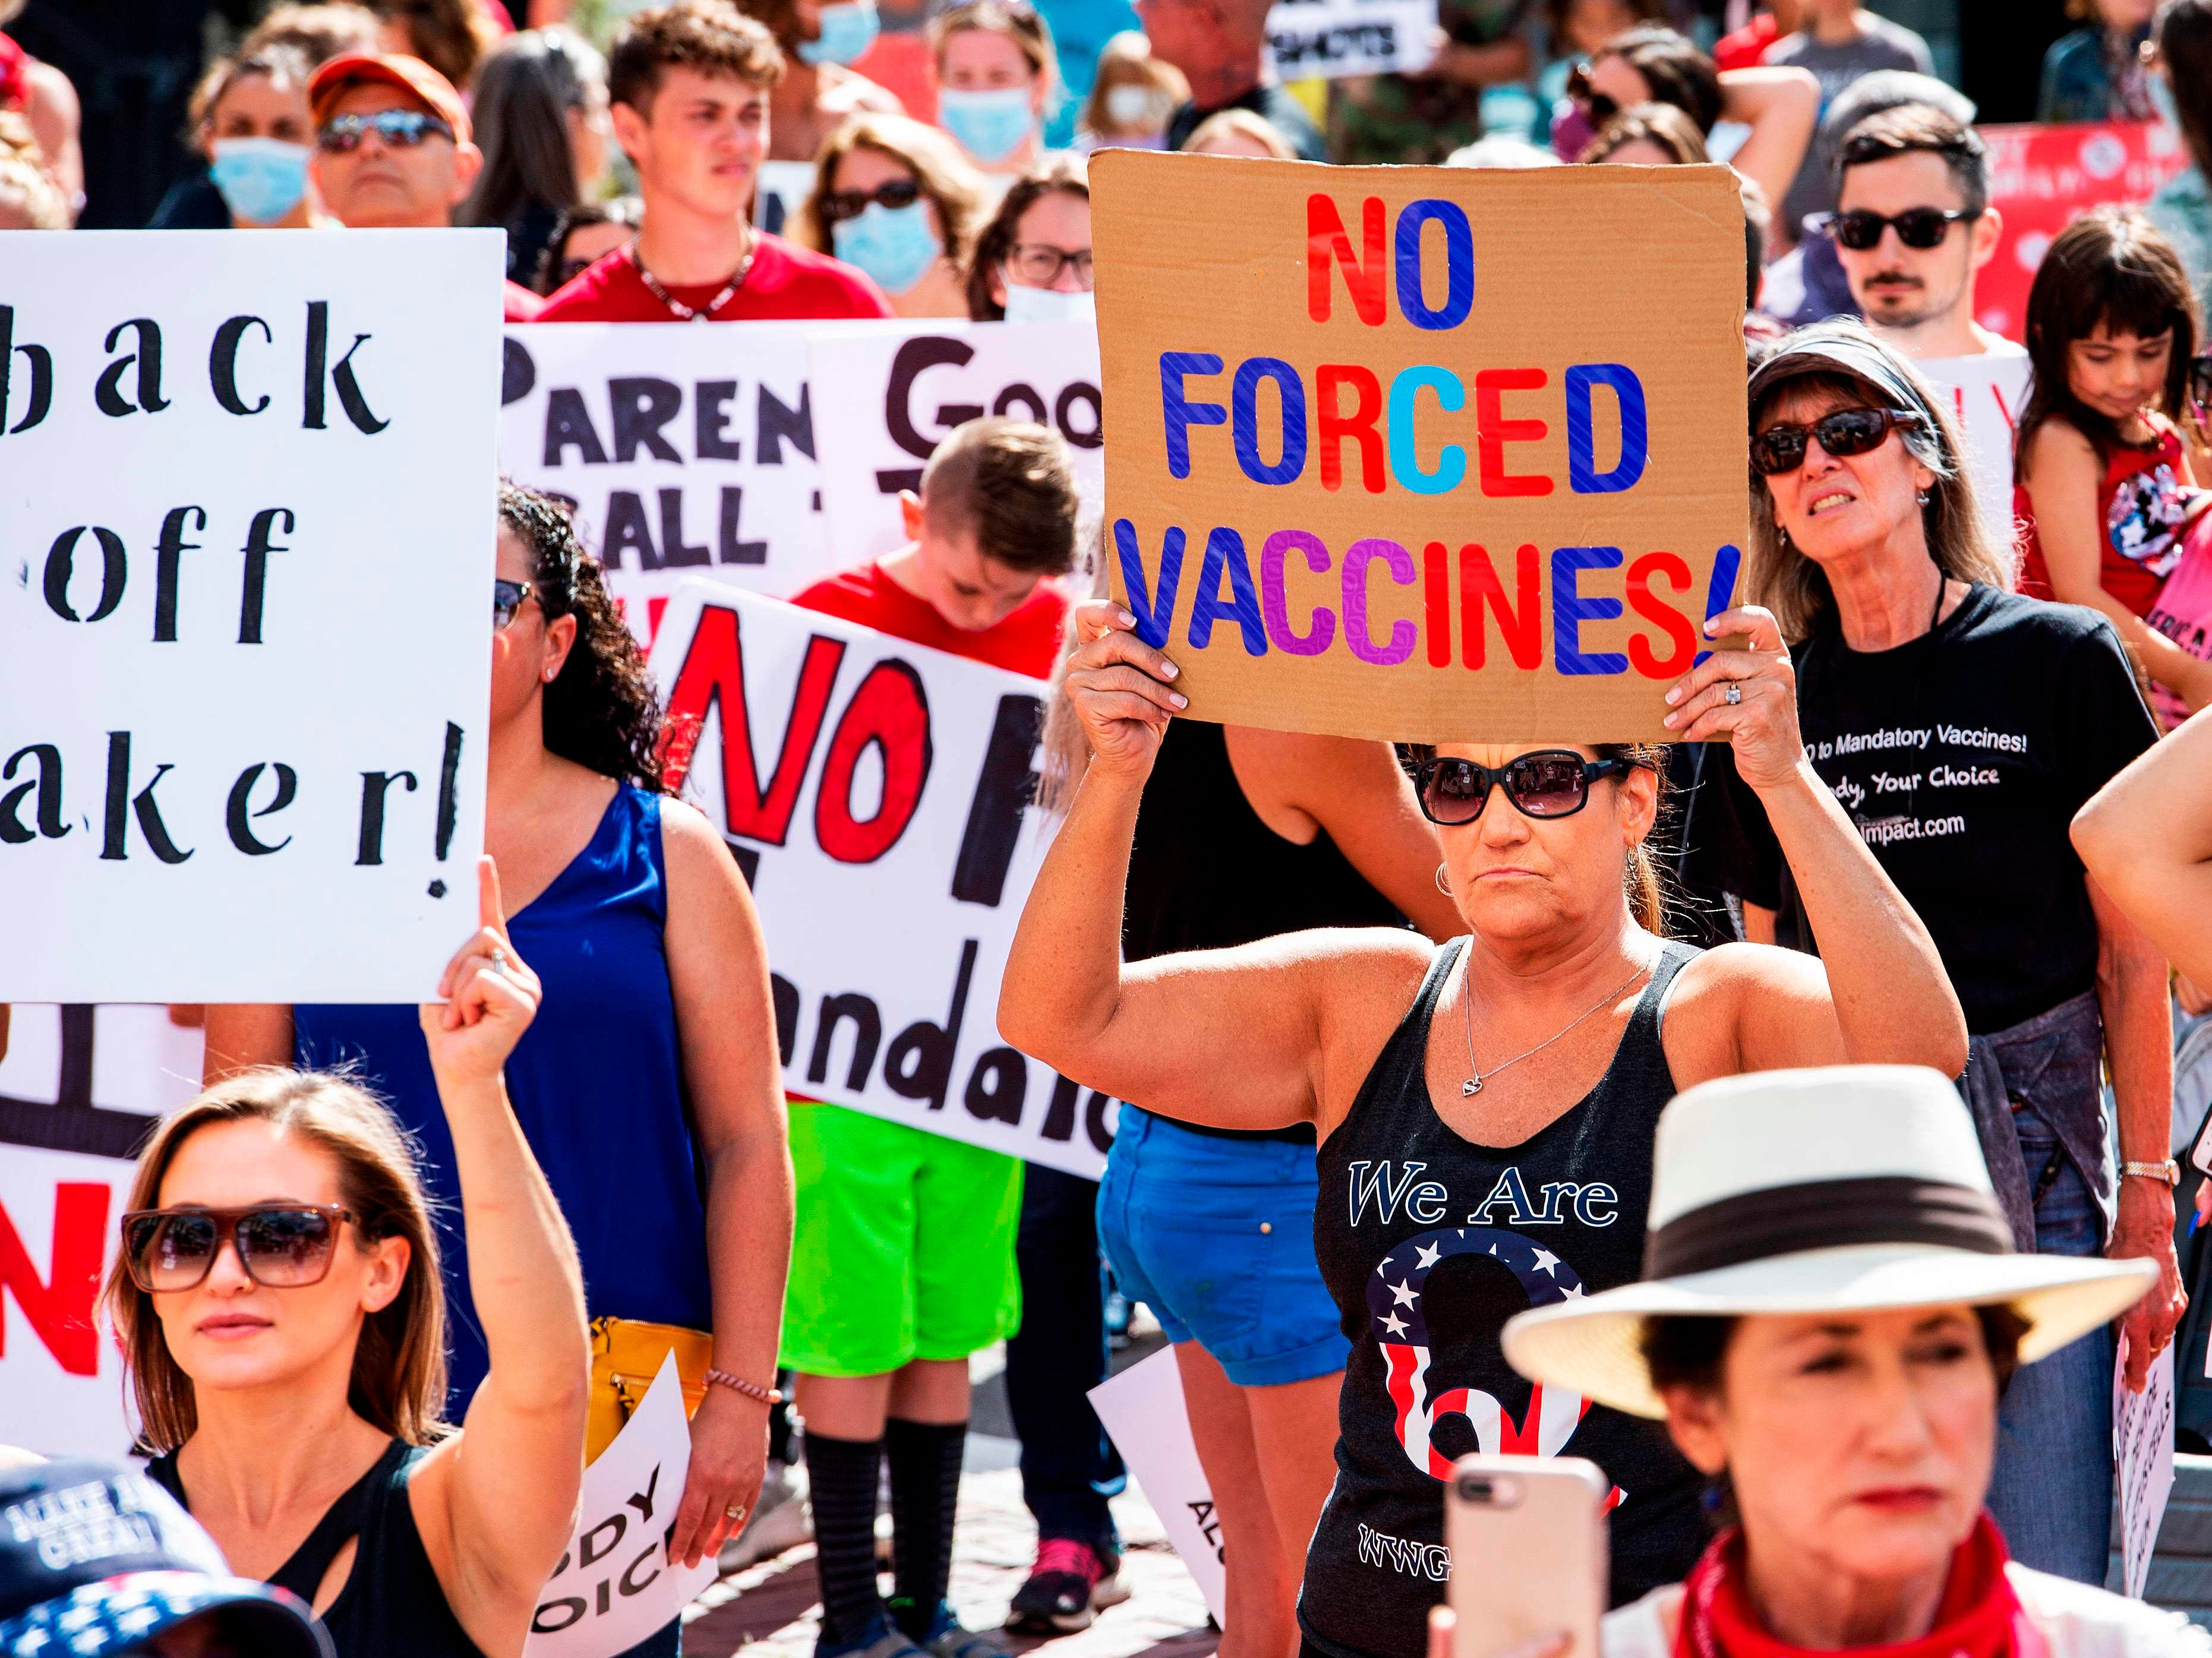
(499, 963)
(735, 1513)
(1733, 695)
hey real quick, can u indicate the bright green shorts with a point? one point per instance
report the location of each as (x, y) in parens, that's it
(904, 1246)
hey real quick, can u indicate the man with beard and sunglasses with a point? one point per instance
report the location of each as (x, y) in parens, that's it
(393, 150)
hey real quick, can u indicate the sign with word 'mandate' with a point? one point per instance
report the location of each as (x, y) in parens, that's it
(246, 521)
(876, 794)
(1425, 454)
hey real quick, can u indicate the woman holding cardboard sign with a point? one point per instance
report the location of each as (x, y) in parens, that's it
(1485, 1109)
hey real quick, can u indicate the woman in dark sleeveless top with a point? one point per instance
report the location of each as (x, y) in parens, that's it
(1212, 1227)
(1515, 1101)
(279, 1303)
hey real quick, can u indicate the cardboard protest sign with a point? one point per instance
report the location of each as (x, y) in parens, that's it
(875, 793)
(615, 1584)
(1390, 461)
(246, 510)
(80, 1088)
(1350, 37)
(2041, 177)
(1142, 1410)
(1986, 394)
(893, 391)
(689, 451)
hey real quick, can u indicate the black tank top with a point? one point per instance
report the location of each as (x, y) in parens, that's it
(392, 1604)
(1206, 872)
(1429, 1243)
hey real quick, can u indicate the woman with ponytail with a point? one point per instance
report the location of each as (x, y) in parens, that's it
(650, 1092)
(1484, 1108)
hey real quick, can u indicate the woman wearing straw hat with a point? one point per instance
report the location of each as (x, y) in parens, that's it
(1484, 1110)
(1831, 1309)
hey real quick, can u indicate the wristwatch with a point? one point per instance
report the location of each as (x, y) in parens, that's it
(2167, 1173)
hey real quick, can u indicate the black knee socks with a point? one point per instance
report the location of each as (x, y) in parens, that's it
(925, 1459)
(842, 1475)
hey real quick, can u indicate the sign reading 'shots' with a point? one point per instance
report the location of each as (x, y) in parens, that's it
(246, 522)
(1428, 453)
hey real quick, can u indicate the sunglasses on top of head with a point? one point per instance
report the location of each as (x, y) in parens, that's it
(893, 193)
(1861, 229)
(1598, 107)
(401, 129)
(1846, 432)
(281, 1246)
(1543, 783)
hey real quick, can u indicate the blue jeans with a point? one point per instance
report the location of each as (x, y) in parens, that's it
(2051, 1491)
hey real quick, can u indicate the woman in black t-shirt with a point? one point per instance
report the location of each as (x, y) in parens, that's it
(1961, 726)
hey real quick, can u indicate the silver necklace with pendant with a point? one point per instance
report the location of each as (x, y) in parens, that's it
(1474, 1084)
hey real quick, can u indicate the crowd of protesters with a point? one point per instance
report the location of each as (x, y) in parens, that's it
(375, 1278)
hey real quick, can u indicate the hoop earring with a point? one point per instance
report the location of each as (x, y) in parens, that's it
(1444, 881)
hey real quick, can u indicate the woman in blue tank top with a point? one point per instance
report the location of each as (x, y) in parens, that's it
(648, 1088)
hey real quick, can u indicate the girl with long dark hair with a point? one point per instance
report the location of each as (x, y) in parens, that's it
(540, 113)
(650, 1095)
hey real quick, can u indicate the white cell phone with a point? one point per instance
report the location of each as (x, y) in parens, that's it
(2200, 1149)
(1528, 1557)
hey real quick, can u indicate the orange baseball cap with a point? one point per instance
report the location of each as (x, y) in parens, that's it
(410, 74)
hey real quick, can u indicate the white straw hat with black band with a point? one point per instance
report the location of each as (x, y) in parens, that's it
(1853, 1188)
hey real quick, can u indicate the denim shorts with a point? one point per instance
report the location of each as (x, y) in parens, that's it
(1216, 1236)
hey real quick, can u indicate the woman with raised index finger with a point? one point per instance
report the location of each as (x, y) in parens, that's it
(1484, 1108)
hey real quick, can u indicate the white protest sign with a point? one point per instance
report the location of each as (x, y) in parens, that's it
(688, 449)
(779, 191)
(892, 391)
(2142, 1461)
(247, 517)
(80, 1088)
(875, 793)
(1142, 1410)
(1986, 394)
(615, 1584)
(1332, 38)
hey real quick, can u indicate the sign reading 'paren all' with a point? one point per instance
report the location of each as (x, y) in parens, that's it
(1422, 453)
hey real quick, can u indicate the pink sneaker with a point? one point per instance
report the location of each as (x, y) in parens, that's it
(1071, 1583)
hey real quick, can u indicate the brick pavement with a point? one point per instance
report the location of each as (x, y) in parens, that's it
(772, 1610)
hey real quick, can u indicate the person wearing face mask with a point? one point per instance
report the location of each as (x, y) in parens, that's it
(896, 199)
(1132, 99)
(251, 120)
(820, 90)
(1032, 263)
(997, 76)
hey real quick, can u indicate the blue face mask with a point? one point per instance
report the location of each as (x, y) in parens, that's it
(892, 244)
(989, 126)
(848, 30)
(261, 179)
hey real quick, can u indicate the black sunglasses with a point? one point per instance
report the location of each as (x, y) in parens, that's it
(281, 1246)
(894, 193)
(401, 129)
(1861, 229)
(506, 598)
(1846, 432)
(1544, 783)
(1599, 107)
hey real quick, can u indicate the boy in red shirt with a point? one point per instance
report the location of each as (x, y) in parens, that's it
(903, 1260)
(689, 85)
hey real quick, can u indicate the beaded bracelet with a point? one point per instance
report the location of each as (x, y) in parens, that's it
(750, 1389)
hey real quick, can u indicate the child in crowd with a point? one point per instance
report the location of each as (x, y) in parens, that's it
(997, 77)
(1240, 132)
(2097, 72)
(1132, 99)
(903, 1260)
(2103, 495)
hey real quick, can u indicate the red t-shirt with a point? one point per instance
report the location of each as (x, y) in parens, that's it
(1747, 48)
(786, 284)
(521, 305)
(1027, 642)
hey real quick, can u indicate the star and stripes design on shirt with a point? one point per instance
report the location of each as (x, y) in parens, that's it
(117, 1614)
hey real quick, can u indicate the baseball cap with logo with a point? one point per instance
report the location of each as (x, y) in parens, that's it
(95, 1559)
(410, 74)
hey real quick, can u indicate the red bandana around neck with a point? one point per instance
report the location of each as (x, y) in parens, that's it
(1980, 1617)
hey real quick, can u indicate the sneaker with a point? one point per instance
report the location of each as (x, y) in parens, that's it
(1071, 1583)
(944, 1637)
(779, 1520)
(881, 1639)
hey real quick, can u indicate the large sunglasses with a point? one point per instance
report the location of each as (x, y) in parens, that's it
(1594, 104)
(1861, 229)
(1846, 432)
(840, 205)
(281, 1246)
(506, 598)
(401, 129)
(1545, 783)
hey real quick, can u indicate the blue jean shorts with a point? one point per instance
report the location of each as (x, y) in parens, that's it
(1216, 1236)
